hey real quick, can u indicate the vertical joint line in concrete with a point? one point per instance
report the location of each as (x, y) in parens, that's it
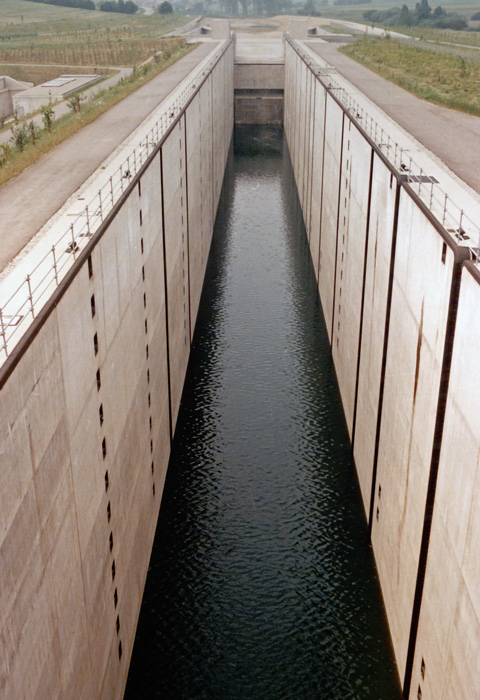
(336, 232)
(321, 186)
(165, 281)
(305, 154)
(188, 228)
(434, 464)
(212, 148)
(310, 168)
(362, 303)
(384, 358)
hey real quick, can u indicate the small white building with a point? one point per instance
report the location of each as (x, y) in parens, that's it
(51, 91)
(9, 88)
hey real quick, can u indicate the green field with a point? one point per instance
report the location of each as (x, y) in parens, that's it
(39, 33)
(13, 160)
(40, 74)
(443, 78)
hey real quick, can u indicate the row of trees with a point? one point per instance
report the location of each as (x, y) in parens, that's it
(82, 4)
(128, 7)
(422, 16)
(256, 8)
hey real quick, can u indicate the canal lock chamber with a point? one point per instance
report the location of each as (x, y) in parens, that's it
(262, 582)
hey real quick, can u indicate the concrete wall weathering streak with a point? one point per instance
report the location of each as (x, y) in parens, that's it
(89, 402)
(401, 306)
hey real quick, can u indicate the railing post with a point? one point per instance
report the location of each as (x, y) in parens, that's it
(88, 222)
(2, 331)
(74, 245)
(55, 265)
(111, 188)
(445, 209)
(29, 285)
(100, 204)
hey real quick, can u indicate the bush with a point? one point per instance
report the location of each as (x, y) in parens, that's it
(165, 8)
(81, 4)
(127, 8)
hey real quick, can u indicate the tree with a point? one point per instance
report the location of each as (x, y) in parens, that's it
(165, 8)
(20, 136)
(422, 10)
(405, 18)
(75, 102)
(33, 131)
(128, 8)
(457, 23)
(47, 117)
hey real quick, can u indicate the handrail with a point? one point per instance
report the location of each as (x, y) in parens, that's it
(23, 305)
(452, 217)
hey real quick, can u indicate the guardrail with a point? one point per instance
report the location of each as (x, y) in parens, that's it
(452, 217)
(23, 305)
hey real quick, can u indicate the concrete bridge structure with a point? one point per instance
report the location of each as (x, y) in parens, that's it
(98, 314)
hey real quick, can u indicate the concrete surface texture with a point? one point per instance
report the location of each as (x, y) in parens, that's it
(31, 199)
(446, 657)
(62, 107)
(389, 277)
(90, 399)
(86, 416)
(9, 89)
(452, 136)
(58, 89)
(259, 79)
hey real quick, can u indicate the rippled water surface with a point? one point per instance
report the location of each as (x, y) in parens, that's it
(262, 583)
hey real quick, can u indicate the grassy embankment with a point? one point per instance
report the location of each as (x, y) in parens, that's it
(47, 34)
(33, 33)
(443, 78)
(13, 161)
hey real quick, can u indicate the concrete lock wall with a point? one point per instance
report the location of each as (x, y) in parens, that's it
(400, 304)
(89, 403)
(258, 90)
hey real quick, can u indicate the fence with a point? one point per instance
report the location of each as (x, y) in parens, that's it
(452, 217)
(19, 310)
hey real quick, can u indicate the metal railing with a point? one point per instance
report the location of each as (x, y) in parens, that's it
(452, 217)
(23, 305)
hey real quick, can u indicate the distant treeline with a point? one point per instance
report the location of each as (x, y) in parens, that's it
(351, 2)
(421, 16)
(128, 7)
(82, 4)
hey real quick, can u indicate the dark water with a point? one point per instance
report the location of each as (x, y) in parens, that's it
(262, 584)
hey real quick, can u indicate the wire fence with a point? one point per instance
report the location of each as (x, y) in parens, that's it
(23, 305)
(452, 217)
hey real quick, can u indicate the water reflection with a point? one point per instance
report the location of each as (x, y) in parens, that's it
(262, 584)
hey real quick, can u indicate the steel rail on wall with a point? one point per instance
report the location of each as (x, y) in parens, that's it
(24, 304)
(448, 214)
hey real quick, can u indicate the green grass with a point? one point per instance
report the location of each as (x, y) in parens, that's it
(13, 162)
(38, 33)
(40, 74)
(447, 36)
(443, 78)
